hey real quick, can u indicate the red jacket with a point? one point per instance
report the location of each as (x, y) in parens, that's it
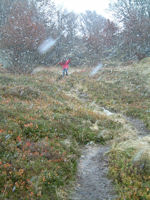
(65, 65)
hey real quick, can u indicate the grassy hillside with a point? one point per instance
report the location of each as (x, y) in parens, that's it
(44, 121)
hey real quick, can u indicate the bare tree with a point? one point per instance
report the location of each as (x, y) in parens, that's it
(22, 33)
(134, 16)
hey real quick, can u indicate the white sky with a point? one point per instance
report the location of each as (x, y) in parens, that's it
(100, 6)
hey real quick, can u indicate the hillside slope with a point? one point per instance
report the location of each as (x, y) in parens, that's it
(45, 120)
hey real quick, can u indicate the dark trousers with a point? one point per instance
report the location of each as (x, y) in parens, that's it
(65, 72)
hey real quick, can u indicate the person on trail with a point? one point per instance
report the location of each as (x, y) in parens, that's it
(65, 66)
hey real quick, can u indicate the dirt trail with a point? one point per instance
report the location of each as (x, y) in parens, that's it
(139, 126)
(92, 182)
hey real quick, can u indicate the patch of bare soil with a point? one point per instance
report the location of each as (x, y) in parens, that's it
(92, 181)
(139, 126)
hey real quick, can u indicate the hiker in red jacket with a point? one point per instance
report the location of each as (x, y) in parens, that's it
(65, 66)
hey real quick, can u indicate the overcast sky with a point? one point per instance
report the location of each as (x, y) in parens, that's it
(100, 6)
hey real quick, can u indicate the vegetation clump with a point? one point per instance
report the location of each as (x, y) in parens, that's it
(22, 92)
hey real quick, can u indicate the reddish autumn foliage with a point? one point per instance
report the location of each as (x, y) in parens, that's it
(22, 31)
